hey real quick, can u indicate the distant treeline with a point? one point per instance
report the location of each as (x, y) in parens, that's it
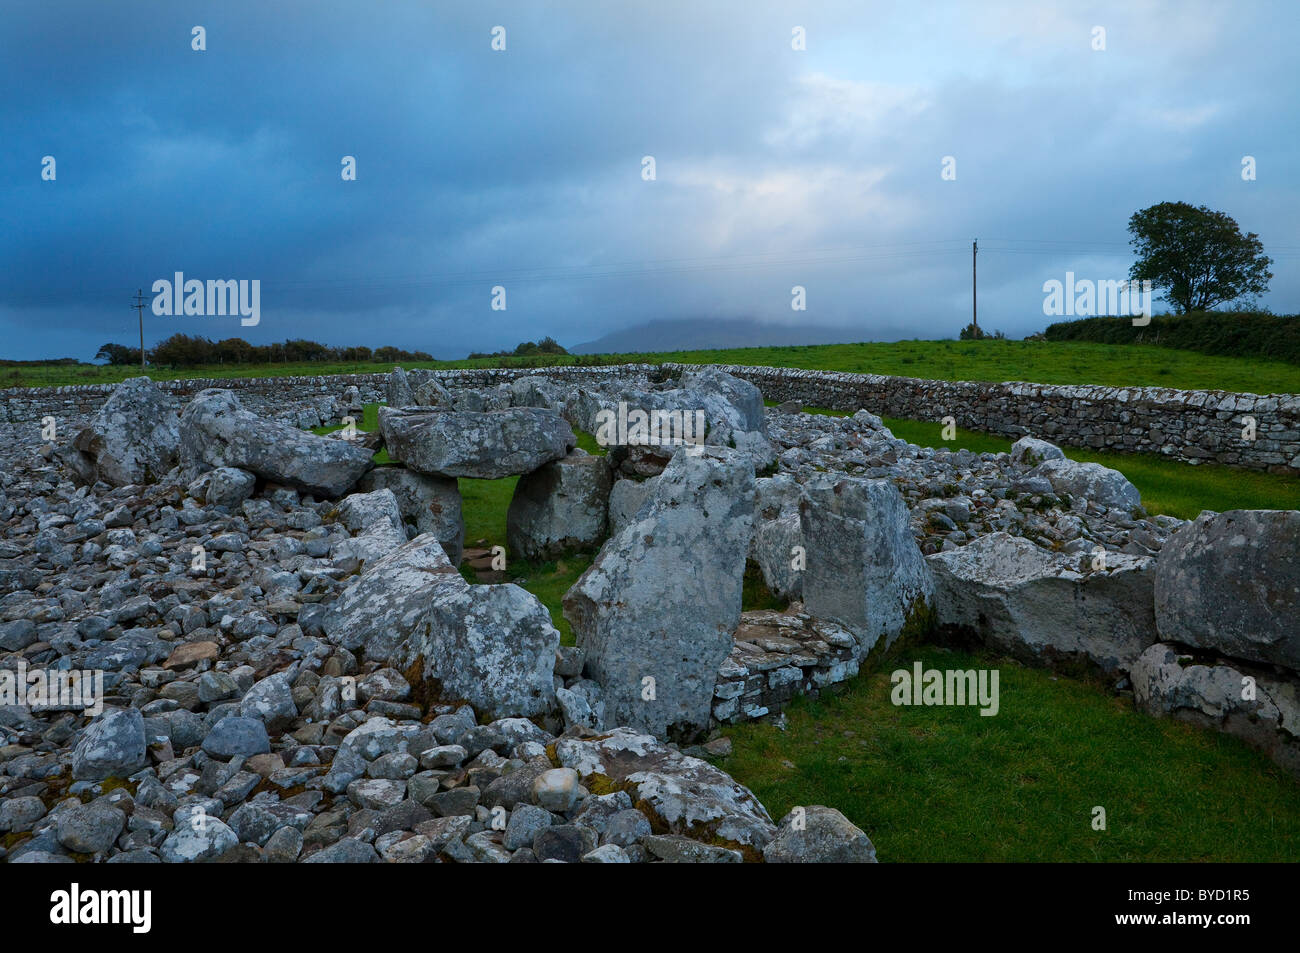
(184, 350)
(546, 345)
(1273, 337)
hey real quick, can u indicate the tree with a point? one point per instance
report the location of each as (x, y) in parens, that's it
(1198, 256)
(118, 354)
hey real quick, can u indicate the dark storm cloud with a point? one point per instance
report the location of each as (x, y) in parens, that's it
(522, 168)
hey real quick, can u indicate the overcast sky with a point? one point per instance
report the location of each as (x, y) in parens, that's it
(523, 168)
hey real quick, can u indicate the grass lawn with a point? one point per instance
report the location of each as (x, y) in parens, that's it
(947, 784)
(1040, 361)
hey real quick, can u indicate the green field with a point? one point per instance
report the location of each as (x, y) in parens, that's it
(947, 784)
(1039, 361)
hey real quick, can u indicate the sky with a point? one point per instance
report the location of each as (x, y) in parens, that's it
(524, 168)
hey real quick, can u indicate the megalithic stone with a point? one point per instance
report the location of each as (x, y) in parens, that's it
(656, 611)
(864, 569)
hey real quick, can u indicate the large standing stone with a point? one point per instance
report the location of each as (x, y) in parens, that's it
(864, 569)
(381, 609)
(111, 746)
(428, 504)
(777, 531)
(683, 795)
(134, 437)
(1090, 481)
(399, 389)
(216, 431)
(491, 646)
(1041, 606)
(626, 497)
(1230, 582)
(663, 596)
(484, 445)
(561, 506)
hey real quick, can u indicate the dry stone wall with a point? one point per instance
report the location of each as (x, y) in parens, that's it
(1193, 426)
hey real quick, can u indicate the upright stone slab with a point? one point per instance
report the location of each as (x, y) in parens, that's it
(864, 569)
(626, 498)
(663, 597)
(561, 506)
(1230, 582)
(399, 389)
(1167, 682)
(777, 533)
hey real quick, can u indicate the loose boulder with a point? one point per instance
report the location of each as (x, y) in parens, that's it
(376, 521)
(112, 745)
(1030, 451)
(134, 437)
(380, 610)
(1043, 607)
(1090, 481)
(819, 835)
(216, 431)
(224, 486)
(683, 795)
(489, 646)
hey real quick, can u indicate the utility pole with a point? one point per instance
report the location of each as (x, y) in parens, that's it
(974, 317)
(138, 304)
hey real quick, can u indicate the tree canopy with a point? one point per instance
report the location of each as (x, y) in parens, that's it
(1198, 257)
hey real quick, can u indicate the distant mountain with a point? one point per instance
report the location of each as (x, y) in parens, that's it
(710, 333)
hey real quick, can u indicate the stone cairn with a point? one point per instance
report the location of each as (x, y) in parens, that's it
(291, 667)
